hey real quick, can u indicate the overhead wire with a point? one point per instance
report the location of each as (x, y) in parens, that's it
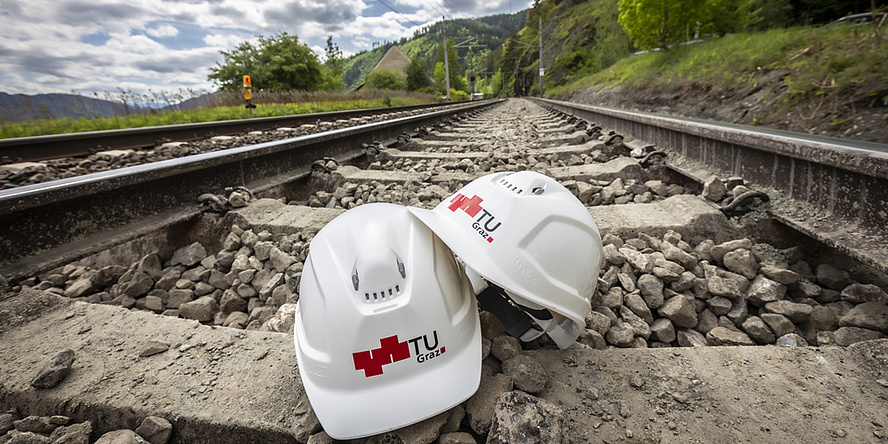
(442, 8)
(400, 13)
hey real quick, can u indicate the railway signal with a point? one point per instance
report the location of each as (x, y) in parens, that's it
(248, 95)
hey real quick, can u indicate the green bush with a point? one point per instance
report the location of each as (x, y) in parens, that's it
(386, 79)
(458, 96)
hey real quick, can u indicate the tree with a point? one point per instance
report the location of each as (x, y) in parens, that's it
(660, 23)
(416, 75)
(279, 63)
(334, 57)
(496, 83)
(386, 79)
(333, 66)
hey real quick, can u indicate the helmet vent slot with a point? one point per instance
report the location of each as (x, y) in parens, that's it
(382, 295)
(509, 186)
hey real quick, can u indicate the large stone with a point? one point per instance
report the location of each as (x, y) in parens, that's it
(280, 260)
(638, 260)
(714, 189)
(6, 422)
(796, 312)
(763, 290)
(236, 319)
(758, 331)
(728, 288)
(178, 297)
(81, 287)
(675, 254)
(598, 322)
(720, 306)
(139, 285)
(724, 336)
(741, 261)
(189, 256)
(651, 288)
(36, 424)
(203, 309)
(151, 265)
(155, 430)
(491, 327)
(634, 302)
(869, 315)
(73, 434)
(779, 324)
(861, 293)
(231, 302)
(846, 336)
(680, 311)
(613, 256)
(739, 311)
(505, 347)
(706, 320)
(526, 373)
(305, 423)
(718, 251)
(640, 327)
(822, 318)
(620, 334)
(831, 277)
(519, 417)
(54, 371)
(592, 338)
(690, 338)
(480, 407)
(792, 340)
(275, 281)
(781, 275)
(25, 438)
(662, 330)
(122, 436)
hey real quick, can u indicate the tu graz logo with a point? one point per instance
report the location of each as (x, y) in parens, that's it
(472, 207)
(391, 350)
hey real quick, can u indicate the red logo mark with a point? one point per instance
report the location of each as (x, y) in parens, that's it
(470, 206)
(390, 350)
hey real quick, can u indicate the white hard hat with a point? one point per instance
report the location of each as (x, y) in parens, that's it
(387, 331)
(533, 239)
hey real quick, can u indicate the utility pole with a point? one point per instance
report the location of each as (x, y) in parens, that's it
(446, 61)
(541, 56)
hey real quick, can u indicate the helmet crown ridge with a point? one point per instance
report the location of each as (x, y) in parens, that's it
(378, 274)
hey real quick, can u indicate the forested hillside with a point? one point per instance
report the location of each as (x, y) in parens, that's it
(489, 34)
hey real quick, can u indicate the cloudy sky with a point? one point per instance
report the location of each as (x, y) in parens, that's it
(86, 46)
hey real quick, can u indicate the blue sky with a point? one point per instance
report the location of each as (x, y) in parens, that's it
(88, 46)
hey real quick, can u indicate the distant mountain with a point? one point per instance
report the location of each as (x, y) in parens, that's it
(21, 107)
(487, 33)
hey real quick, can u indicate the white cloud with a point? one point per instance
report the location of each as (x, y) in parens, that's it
(165, 31)
(106, 45)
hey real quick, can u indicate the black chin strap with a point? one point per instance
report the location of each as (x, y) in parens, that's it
(514, 319)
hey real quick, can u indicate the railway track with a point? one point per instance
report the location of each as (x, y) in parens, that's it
(39, 148)
(684, 267)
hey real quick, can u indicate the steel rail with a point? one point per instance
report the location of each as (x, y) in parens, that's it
(36, 148)
(845, 181)
(64, 220)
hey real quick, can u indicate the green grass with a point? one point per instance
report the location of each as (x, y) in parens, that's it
(211, 114)
(815, 62)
